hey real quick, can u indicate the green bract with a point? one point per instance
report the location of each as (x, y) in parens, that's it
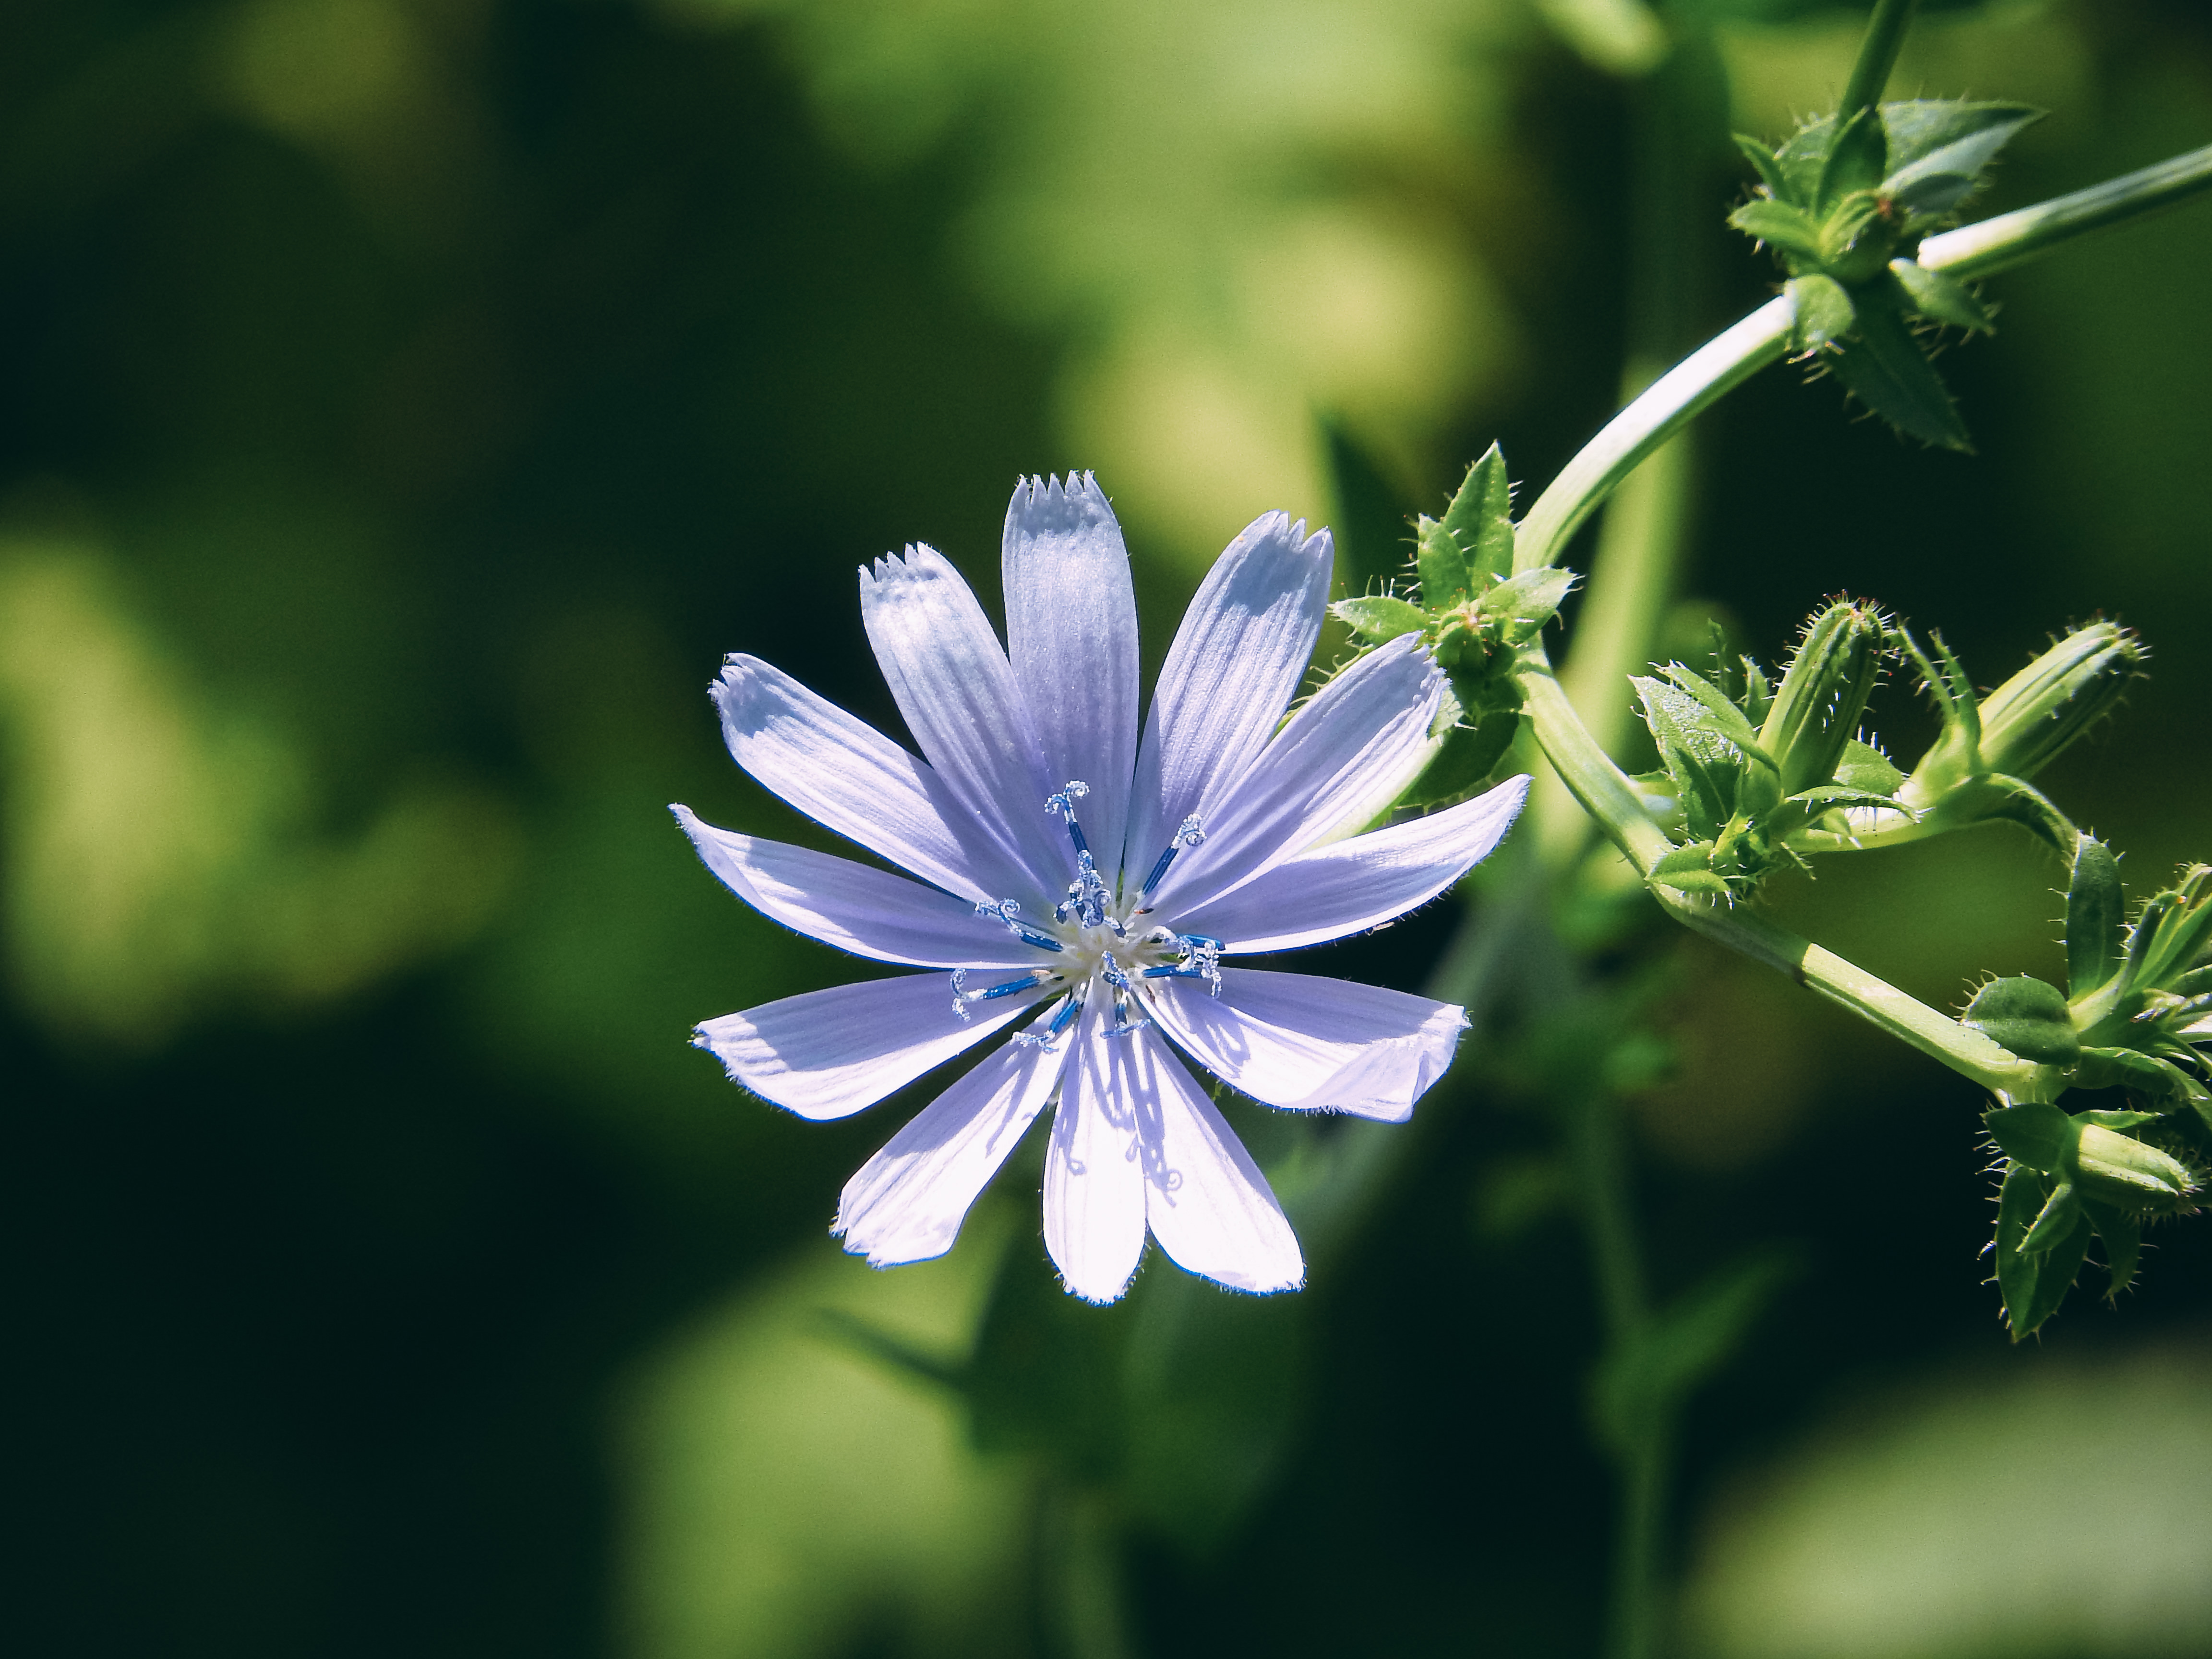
(1978, 768)
(1474, 614)
(1754, 767)
(1842, 204)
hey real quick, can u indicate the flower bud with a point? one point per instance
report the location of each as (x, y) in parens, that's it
(1816, 711)
(2121, 1170)
(2029, 720)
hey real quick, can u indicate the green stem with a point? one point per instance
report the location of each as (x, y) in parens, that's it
(1674, 400)
(2012, 239)
(1609, 1217)
(1878, 50)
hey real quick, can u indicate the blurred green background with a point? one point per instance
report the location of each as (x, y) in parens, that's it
(404, 404)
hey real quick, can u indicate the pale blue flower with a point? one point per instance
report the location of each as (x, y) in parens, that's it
(1089, 888)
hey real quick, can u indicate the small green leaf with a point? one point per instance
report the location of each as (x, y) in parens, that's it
(2032, 1284)
(1866, 767)
(1942, 298)
(1380, 616)
(1779, 225)
(1939, 148)
(2027, 1017)
(1480, 518)
(1445, 579)
(1824, 311)
(1770, 171)
(1885, 370)
(1704, 765)
(1689, 870)
(2122, 1236)
(2096, 933)
(1857, 161)
(2037, 1134)
(1802, 157)
(1526, 602)
(2055, 1222)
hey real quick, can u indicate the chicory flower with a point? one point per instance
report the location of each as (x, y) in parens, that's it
(1089, 888)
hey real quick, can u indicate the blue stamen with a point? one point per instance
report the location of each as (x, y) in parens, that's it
(1069, 1011)
(1009, 912)
(1190, 833)
(1200, 959)
(1087, 897)
(1063, 805)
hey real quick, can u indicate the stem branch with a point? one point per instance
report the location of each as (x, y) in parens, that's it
(1878, 50)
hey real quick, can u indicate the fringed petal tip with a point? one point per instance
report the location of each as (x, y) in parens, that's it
(1047, 505)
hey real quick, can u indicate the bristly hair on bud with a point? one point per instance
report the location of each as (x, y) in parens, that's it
(1824, 692)
(2032, 717)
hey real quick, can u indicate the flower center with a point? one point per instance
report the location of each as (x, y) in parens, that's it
(1098, 952)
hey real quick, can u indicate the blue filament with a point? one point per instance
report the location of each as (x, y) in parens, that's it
(1009, 911)
(1062, 805)
(1190, 832)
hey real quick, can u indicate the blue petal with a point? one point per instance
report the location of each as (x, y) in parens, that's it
(870, 913)
(1071, 638)
(1308, 1044)
(1359, 884)
(907, 1202)
(1344, 757)
(849, 777)
(952, 684)
(829, 1053)
(1234, 666)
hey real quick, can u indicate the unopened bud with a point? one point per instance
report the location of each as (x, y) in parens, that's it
(2029, 720)
(2124, 1171)
(1816, 711)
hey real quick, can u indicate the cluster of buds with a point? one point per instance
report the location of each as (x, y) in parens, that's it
(1475, 615)
(1755, 779)
(2136, 1016)
(1841, 203)
(1749, 768)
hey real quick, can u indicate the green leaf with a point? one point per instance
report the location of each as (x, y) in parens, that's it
(1721, 711)
(2096, 932)
(1689, 870)
(1380, 616)
(2027, 1017)
(2122, 1235)
(1527, 601)
(1480, 518)
(2037, 1134)
(1770, 171)
(1942, 298)
(1445, 579)
(1866, 767)
(1857, 161)
(1938, 148)
(2056, 1222)
(2032, 1284)
(1884, 369)
(1824, 311)
(1803, 158)
(1466, 758)
(1779, 225)
(2029, 808)
(1703, 764)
